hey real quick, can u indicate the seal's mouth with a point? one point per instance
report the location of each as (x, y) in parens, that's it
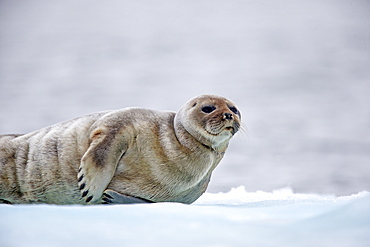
(228, 128)
(232, 129)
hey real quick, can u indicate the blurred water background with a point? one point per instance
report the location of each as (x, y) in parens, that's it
(298, 70)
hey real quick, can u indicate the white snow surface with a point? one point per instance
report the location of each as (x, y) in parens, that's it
(236, 218)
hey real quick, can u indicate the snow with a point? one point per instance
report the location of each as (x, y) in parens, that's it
(235, 218)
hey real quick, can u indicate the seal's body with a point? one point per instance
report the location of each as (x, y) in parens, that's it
(124, 156)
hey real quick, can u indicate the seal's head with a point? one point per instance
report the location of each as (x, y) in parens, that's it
(211, 120)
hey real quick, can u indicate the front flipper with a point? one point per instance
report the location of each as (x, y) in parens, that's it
(99, 163)
(113, 197)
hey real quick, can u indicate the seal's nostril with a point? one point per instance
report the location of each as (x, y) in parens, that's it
(228, 116)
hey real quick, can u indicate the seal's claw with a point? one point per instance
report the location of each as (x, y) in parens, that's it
(89, 198)
(107, 198)
(82, 186)
(107, 195)
(85, 193)
(113, 197)
(106, 201)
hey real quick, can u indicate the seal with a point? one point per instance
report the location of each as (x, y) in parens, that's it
(131, 155)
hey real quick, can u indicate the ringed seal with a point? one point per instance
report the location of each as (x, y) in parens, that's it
(131, 155)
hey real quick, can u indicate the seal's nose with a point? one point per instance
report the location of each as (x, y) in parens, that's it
(228, 116)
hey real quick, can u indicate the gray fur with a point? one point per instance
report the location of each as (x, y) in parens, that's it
(135, 153)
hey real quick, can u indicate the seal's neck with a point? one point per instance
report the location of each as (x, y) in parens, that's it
(191, 138)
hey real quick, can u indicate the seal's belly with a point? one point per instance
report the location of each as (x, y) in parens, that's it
(31, 174)
(41, 167)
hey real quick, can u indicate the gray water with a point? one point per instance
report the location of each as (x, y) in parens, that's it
(298, 70)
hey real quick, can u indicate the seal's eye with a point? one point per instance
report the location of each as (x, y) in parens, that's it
(208, 109)
(233, 109)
